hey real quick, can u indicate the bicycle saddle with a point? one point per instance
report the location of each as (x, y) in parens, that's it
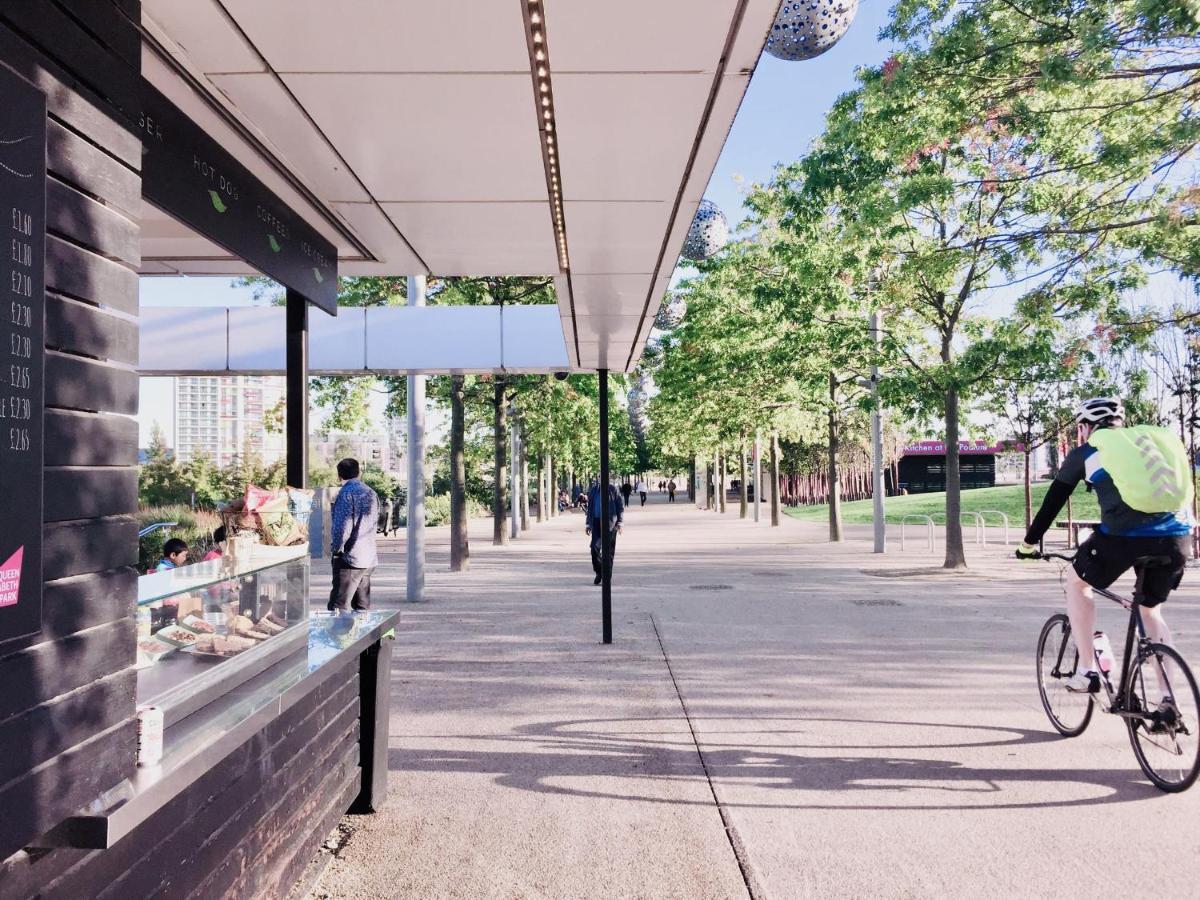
(1152, 562)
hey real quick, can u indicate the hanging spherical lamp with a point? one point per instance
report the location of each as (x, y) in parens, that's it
(805, 29)
(708, 233)
(670, 313)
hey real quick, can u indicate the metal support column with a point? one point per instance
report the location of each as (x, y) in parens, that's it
(877, 489)
(514, 474)
(606, 535)
(297, 390)
(414, 531)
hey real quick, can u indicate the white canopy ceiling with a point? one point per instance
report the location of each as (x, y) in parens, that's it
(408, 133)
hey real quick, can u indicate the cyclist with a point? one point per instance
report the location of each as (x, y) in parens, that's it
(1143, 482)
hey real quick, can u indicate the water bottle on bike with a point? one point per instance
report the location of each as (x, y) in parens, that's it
(1104, 654)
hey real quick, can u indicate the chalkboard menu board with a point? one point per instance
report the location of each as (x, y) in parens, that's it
(188, 175)
(22, 321)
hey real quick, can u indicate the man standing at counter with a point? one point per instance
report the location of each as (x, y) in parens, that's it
(355, 514)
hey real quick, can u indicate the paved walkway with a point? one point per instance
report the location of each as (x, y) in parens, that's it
(778, 717)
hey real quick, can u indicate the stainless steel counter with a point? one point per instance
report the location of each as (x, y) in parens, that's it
(199, 741)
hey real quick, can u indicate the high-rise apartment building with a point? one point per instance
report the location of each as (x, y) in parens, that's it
(224, 418)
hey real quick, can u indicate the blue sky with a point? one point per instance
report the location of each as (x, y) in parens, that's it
(783, 111)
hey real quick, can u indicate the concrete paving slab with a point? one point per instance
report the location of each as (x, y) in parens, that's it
(866, 728)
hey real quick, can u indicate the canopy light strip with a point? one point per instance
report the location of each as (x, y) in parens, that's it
(539, 58)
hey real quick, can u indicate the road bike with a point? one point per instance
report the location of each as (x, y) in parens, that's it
(1155, 694)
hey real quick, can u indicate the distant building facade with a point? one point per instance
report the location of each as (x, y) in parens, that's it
(224, 418)
(366, 448)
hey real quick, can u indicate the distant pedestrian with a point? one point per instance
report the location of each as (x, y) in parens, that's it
(175, 554)
(352, 540)
(671, 487)
(385, 520)
(626, 490)
(597, 528)
(641, 489)
(220, 538)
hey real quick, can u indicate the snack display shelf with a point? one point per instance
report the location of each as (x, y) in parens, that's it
(215, 627)
(195, 744)
(158, 586)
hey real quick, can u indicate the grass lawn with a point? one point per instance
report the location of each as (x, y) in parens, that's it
(1009, 499)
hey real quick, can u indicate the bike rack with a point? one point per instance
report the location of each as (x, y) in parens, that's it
(980, 526)
(917, 518)
(976, 518)
(995, 512)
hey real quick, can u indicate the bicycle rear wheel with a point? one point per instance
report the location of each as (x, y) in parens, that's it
(1057, 658)
(1166, 737)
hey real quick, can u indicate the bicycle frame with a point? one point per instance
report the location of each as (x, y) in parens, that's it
(1137, 628)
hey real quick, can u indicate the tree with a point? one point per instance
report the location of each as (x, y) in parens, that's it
(965, 196)
(158, 477)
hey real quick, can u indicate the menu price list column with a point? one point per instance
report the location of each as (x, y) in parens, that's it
(22, 342)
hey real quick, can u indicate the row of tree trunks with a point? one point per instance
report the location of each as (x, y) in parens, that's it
(813, 489)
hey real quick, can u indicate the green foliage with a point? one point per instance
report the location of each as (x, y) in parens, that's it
(437, 510)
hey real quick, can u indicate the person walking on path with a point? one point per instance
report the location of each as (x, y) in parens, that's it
(671, 491)
(641, 489)
(385, 521)
(352, 540)
(595, 528)
(626, 490)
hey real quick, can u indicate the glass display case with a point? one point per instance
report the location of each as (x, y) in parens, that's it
(206, 628)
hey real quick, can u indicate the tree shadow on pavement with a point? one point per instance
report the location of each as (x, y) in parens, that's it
(548, 755)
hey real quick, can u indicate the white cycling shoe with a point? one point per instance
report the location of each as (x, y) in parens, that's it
(1083, 683)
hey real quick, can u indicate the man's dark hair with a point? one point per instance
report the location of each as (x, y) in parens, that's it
(173, 546)
(219, 534)
(348, 468)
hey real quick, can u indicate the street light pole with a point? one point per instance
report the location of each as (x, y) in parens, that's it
(877, 514)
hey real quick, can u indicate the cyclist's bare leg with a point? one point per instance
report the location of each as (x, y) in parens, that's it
(1156, 628)
(1081, 610)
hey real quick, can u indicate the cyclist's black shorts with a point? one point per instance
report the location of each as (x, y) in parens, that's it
(1104, 558)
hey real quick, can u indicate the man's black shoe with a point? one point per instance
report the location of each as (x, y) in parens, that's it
(599, 578)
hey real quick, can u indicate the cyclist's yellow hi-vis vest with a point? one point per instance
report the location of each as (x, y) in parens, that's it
(1148, 465)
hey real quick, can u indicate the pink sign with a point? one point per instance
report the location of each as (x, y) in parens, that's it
(938, 448)
(10, 578)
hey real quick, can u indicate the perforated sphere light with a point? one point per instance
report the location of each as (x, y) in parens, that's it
(708, 233)
(805, 29)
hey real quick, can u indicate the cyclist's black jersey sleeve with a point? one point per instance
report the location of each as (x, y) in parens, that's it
(1070, 473)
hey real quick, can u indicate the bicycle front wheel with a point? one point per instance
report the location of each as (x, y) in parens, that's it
(1057, 658)
(1163, 708)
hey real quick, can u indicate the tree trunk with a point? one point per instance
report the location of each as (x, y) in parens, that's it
(956, 557)
(743, 474)
(460, 550)
(691, 489)
(721, 490)
(524, 483)
(551, 487)
(500, 486)
(1028, 490)
(541, 492)
(774, 479)
(835, 500)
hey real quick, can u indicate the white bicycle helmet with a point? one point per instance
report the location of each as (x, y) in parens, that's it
(1098, 410)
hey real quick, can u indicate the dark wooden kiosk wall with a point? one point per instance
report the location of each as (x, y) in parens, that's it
(250, 824)
(67, 709)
